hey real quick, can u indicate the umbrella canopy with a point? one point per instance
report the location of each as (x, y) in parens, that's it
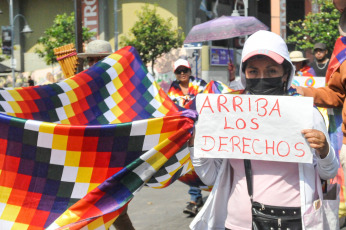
(224, 27)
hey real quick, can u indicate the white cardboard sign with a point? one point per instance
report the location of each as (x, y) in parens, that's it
(253, 127)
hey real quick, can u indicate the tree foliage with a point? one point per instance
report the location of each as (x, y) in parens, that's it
(62, 32)
(318, 27)
(152, 36)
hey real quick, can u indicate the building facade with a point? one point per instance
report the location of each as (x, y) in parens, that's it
(112, 19)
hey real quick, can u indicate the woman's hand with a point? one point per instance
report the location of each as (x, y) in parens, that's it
(317, 140)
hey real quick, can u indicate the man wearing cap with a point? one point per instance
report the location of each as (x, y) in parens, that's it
(182, 90)
(301, 64)
(321, 61)
(95, 51)
(333, 95)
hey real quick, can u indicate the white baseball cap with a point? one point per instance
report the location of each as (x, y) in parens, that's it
(181, 62)
(276, 57)
(269, 44)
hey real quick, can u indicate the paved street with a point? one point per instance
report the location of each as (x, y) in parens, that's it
(161, 209)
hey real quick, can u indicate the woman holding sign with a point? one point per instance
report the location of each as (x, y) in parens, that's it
(257, 194)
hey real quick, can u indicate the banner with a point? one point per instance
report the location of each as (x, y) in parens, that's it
(309, 81)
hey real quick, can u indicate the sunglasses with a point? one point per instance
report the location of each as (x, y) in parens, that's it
(184, 70)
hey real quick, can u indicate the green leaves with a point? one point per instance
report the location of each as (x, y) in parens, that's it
(319, 27)
(59, 34)
(152, 35)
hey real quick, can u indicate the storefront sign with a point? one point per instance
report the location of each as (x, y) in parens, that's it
(6, 40)
(90, 12)
(220, 56)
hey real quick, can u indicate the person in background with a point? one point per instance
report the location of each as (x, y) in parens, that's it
(30, 81)
(321, 61)
(281, 186)
(185, 87)
(233, 83)
(182, 90)
(333, 95)
(95, 51)
(301, 64)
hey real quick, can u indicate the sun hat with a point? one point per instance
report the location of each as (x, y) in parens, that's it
(320, 45)
(181, 62)
(297, 56)
(342, 24)
(97, 48)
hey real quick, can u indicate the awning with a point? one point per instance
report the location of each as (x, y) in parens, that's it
(6, 69)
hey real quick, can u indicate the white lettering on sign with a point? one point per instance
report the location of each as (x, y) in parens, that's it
(253, 127)
(90, 15)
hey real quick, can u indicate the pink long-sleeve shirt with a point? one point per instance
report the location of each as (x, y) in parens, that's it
(282, 181)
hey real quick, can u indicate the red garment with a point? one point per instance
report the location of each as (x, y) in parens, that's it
(306, 71)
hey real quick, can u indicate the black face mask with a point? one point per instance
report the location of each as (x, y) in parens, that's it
(265, 86)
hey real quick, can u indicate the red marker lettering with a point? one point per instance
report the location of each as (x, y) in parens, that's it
(245, 145)
(238, 126)
(269, 147)
(276, 108)
(206, 106)
(205, 143)
(263, 107)
(235, 144)
(237, 105)
(253, 122)
(253, 148)
(220, 139)
(219, 104)
(226, 125)
(301, 150)
(288, 148)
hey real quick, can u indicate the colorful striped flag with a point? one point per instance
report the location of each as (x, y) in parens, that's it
(72, 154)
(306, 71)
(336, 136)
(338, 57)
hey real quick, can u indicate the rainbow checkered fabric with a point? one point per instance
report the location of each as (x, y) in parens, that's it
(72, 154)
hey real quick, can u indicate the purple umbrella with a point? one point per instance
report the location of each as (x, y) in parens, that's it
(224, 27)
